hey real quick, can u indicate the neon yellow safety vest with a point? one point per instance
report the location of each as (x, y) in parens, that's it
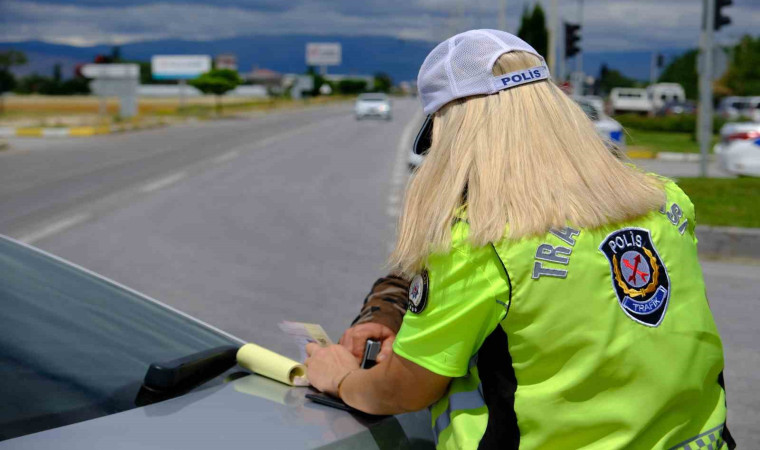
(593, 339)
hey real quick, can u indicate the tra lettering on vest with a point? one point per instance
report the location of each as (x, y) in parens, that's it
(555, 254)
(674, 215)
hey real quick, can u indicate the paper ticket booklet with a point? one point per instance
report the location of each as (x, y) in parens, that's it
(272, 365)
(303, 333)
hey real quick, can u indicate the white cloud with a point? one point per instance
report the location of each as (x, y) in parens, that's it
(608, 25)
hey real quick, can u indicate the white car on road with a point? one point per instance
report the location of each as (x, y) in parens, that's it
(373, 105)
(739, 148)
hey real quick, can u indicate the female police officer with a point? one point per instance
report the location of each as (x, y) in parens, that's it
(557, 298)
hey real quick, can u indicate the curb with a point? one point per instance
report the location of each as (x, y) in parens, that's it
(730, 242)
(49, 132)
(667, 156)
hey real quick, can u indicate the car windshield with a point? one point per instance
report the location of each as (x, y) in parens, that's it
(373, 98)
(74, 346)
(590, 111)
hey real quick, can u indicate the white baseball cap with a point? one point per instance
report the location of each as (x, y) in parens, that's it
(462, 66)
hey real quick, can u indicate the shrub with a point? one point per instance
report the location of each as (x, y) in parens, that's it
(684, 123)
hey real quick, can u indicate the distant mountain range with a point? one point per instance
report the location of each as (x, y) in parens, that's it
(361, 55)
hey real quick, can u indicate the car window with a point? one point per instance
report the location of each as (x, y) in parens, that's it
(590, 111)
(74, 346)
(371, 98)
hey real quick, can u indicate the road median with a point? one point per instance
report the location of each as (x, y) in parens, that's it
(80, 131)
(728, 242)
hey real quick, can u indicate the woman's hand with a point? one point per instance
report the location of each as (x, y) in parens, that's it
(355, 338)
(328, 365)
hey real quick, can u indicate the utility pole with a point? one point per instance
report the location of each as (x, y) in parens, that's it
(579, 58)
(705, 84)
(579, 79)
(712, 20)
(503, 15)
(553, 31)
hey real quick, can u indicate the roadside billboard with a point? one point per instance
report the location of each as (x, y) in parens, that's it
(323, 53)
(226, 61)
(179, 67)
(116, 71)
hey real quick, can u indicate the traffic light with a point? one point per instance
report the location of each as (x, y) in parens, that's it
(572, 36)
(660, 60)
(720, 19)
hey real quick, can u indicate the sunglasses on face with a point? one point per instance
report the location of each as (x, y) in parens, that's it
(424, 138)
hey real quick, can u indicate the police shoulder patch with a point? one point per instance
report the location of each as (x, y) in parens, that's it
(639, 277)
(418, 292)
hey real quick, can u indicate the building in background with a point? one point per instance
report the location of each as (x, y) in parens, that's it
(226, 61)
(270, 79)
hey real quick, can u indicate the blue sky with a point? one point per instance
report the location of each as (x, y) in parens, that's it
(609, 25)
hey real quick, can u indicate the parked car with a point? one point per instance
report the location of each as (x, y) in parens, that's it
(373, 105)
(741, 158)
(677, 107)
(86, 363)
(629, 100)
(608, 128)
(754, 108)
(738, 150)
(662, 93)
(735, 132)
(733, 108)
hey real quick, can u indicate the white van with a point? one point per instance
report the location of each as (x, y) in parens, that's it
(661, 93)
(629, 100)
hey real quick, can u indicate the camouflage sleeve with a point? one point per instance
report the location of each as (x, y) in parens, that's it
(386, 303)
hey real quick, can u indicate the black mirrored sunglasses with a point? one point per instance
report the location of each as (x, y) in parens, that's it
(424, 138)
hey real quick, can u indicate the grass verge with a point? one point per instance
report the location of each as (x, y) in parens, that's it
(725, 201)
(663, 141)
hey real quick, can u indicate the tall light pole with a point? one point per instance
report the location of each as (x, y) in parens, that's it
(503, 15)
(553, 31)
(705, 83)
(579, 57)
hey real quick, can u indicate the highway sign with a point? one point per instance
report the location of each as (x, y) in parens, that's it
(115, 71)
(226, 61)
(323, 53)
(179, 67)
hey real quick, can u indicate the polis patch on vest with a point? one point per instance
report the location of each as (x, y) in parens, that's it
(639, 277)
(418, 293)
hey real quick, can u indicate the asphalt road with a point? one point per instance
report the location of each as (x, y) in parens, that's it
(288, 216)
(241, 223)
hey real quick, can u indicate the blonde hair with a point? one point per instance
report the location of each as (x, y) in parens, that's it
(521, 162)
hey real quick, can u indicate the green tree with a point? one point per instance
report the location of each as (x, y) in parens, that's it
(533, 29)
(352, 86)
(683, 70)
(217, 82)
(8, 59)
(57, 75)
(116, 54)
(319, 80)
(33, 84)
(611, 78)
(743, 74)
(383, 82)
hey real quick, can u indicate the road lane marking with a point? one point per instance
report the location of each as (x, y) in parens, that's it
(54, 228)
(226, 157)
(162, 182)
